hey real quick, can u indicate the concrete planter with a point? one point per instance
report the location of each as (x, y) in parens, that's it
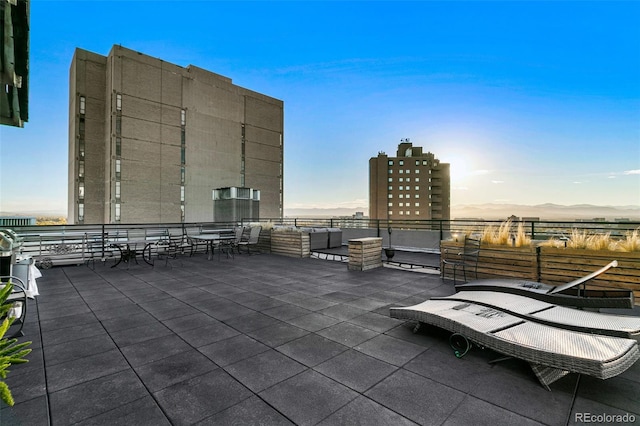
(290, 243)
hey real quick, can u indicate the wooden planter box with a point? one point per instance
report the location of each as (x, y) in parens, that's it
(552, 265)
(264, 241)
(365, 254)
(561, 265)
(290, 243)
(496, 261)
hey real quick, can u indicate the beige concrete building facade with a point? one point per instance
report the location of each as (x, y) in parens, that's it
(410, 186)
(150, 140)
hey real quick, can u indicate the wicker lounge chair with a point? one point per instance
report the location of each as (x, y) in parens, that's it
(552, 352)
(566, 294)
(557, 316)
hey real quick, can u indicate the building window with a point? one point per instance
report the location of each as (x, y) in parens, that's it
(182, 213)
(401, 188)
(118, 147)
(83, 105)
(417, 196)
(81, 212)
(117, 191)
(390, 187)
(182, 194)
(118, 125)
(183, 155)
(81, 168)
(424, 162)
(391, 162)
(390, 171)
(390, 196)
(417, 162)
(401, 162)
(390, 204)
(407, 179)
(417, 171)
(390, 179)
(408, 204)
(417, 213)
(401, 171)
(182, 172)
(117, 212)
(183, 117)
(408, 212)
(401, 212)
(118, 102)
(183, 136)
(389, 212)
(399, 196)
(81, 149)
(118, 164)
(400, 180)
(81, 190)
(401, 204)
(417, 188)
(417, 179)
(417, 204)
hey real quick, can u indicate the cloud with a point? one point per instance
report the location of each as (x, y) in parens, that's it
(611, 177)
(480, 172)
(632, 172)
(460, 188)
(497, 182)
(577, 183)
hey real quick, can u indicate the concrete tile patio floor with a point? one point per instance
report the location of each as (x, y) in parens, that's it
(266, 339)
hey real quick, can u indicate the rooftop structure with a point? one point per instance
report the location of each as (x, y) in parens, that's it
(149, 140)
(14, 62)
(411, 185)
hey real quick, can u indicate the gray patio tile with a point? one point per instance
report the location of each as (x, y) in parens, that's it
(363, 411)
(340, 297)
(144, 411)
(95, 397)
(583, 407)
(70, 373)
(314, 303)
(356, 370)
(291, 296)
(616, 392)
(70, 321)
(389, 349)
(211, 333)
(140, 334)
(277, 334)
(366, 303)
(251, 411)
(286, 312)
(417, 398)
(56, 354)
(68, 334)
(119, 311)
(311, 349)
(189, 322)
(313, 321)
(154, 349)
(485, 414)
(343, 311)
(308, 398)
(223, 311)
(25, 386)
(130, 321)
(264, 370)
(193, 400)
(35, 411)
(167, 371)
(251, 322)
(232, 350)
(375, 322)
(347, 334)
(524, 395)
(441, 365)
(175, 313)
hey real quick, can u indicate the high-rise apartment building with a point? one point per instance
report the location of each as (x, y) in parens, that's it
(149, 141)
(412, 185)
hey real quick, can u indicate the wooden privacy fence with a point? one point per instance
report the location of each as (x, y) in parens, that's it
(553, 265)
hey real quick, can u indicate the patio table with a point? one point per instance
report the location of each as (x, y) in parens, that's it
(129, 250)
(211, 240)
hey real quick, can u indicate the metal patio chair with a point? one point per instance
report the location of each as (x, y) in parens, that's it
(466, 259)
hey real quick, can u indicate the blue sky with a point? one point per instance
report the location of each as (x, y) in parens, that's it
(530, 102)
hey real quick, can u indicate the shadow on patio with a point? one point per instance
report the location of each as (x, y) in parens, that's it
(266, 339)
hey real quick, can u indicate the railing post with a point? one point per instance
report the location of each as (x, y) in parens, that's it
(533, 230)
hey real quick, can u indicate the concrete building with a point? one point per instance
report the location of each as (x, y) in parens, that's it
(410, 186)
(14, 62)
(149, 140)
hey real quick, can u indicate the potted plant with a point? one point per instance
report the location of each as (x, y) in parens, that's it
(389, 251)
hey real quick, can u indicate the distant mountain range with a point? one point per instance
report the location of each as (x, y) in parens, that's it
(501, 211)
(469, 211)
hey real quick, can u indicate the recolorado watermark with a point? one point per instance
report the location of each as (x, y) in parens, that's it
(604, 418)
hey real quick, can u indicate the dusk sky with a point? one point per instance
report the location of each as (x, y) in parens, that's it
(530, 102)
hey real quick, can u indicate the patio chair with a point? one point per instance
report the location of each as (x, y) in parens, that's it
(97, 248)
(551, 351)
(241, 234)
(18, 300)
(566, 294)
(466, 259)
(254, 235)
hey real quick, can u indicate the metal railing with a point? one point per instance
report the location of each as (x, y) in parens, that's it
(70, 244)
